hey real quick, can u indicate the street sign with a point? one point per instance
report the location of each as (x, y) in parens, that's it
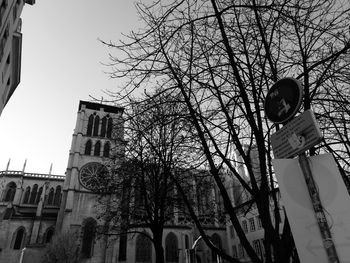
(283, 100)
(297, 136)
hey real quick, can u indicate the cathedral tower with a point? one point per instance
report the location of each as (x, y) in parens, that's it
(98, 136)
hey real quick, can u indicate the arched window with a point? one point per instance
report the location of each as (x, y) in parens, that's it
(104, 126)
(97, 149)
(106, 149)
(171, 248)
(51, 196)
(57, 197)
(9, 193)
(143, 249)
(89, 232)
(33, 194)
(215, 238)
(96, 125)
(48, 235)
(109, 128)
(90, 124)
(39, 195)
(26, 195)
(18, 238)
(88, 147)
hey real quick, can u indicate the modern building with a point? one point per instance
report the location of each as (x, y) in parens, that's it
(34, 206)
(10, 47)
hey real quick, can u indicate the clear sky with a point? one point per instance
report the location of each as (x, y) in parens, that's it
(61, 64)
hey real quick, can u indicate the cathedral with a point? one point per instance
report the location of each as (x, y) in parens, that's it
(35, 207)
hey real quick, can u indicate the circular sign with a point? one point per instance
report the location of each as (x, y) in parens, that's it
(283, 100)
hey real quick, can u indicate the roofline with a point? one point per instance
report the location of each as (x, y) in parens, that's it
(99, 106)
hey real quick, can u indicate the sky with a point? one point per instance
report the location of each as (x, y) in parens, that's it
(61, 64)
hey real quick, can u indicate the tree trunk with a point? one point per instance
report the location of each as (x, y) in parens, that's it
(158, 246)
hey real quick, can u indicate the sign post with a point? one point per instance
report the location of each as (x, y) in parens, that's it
(282, 103)
(318, 209)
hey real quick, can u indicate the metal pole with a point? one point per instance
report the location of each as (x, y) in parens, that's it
(22, 255)
(319, 213)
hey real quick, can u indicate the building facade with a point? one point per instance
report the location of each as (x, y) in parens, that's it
(67, 204)
(10, 47)
(29, 204)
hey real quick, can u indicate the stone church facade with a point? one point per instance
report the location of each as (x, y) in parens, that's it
(35, 206)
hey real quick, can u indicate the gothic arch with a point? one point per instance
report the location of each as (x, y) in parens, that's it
(26, 195)
(106, 149)
(18, 238)
(33, 194)
(90, 124)
(48, 234)
(96, 125)
(9, 192)
(88, 146)
(51, 196)
(104, 126)
(38, 195)
(109, 127)
(171, 248)
(88, 237)
(57, 197)
(97, 148)
(143, 249)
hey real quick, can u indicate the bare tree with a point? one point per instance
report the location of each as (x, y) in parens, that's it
(219, 59)
(63, 248)
(138, 193)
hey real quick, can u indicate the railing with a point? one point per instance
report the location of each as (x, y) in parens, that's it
(35, 175)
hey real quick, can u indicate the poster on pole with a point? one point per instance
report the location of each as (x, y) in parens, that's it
(334, 198)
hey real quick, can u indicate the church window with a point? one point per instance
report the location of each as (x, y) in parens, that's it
(215, 238)
(26, 195)
(90, 175)
(48, 235)
(89, 231)
(38, 195)
(89, 126)
(171, 248)
(143, 249)
(9, 193)
(57, 198)
(51, 196)
(18, 238)
(97, 149)
(96, 125)
(88, 147)
(245, 226)
(109, 128)
(122, 247)
(104, 126)
(33, 194)
(252, 224)
(106, 149)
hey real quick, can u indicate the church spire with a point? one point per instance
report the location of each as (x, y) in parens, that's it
(50, 169)
(24, 165)
(8, 164)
